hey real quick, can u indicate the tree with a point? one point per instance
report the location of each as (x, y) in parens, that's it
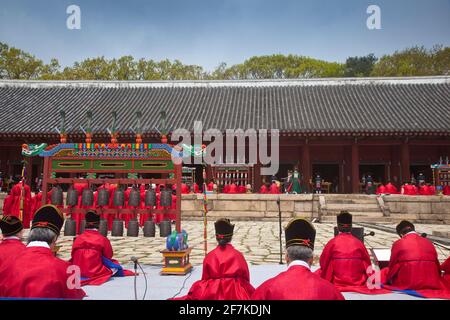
(17, 64)
(360, 66)
(414, 61)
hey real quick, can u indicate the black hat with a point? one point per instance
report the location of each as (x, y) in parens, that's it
(10, 225)
(224, 228)
(92, 218)
(49, 217)
(344, 219)
(300, 232)
(404, 227)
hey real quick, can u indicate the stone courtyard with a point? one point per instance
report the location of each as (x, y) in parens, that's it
(257, 240)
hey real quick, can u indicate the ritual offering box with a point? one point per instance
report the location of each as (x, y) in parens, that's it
(176, 262)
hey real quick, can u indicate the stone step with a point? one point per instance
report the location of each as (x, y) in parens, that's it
(331, 219)
(353, 206)
(377, 213)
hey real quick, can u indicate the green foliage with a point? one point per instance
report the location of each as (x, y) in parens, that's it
(360, 66)
(415, 61)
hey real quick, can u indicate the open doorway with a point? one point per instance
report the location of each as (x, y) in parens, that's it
(416, 169)
(377, 171)
(329, 174)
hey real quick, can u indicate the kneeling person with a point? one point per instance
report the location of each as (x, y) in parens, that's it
(298, 282)
(225, 271)
(36, 272)
(92, 252)
(11, 245)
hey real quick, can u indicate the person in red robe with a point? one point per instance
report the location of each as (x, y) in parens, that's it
(36, 203)
(298, 282)
(11, 245)
(446, 191)
(264, 188)
(195, 188)
(184, 188)
(92, 253)
(210, 186)
(36, 272)
(381, 189)
(414, 265)
(445, 267)
(232, 188)
(409, 189)
(14, 204)
(225, 272)
(274, 189)
(390, 188)
(78, 217)
(345, 261)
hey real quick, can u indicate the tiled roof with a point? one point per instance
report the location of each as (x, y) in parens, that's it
(420, 104)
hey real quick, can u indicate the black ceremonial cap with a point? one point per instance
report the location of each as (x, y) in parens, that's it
(10, 225)
(224, 228)
(344, 219)
(49, 217)
(300, 232)
(404, 227)
(92, 217)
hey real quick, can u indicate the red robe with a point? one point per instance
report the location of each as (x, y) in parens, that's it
(263, 189)
(297, 283)
(274, 189)
(196, 188)
(446, 191)
(144, 216)
(233, 188)
(127, 216)
(344, 262)
(12, 205)
(184, 189)
(242, 189)
(37, 273)
(210, 186)
(36, 203)
(414, 265)
(381, 190)
(446, 268)
(225, 277)
(10, 248)
(390, 188)
(78, 217)
(88, 252)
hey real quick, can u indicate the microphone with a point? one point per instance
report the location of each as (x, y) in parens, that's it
(134, 259)
(424, 235)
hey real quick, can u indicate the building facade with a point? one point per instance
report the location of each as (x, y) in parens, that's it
(340, 128)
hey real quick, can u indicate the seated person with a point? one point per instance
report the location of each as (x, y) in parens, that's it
(446, 272)
(345, 260)
(298, 282)
(11, 245)
(390, 188)
(92, 252)
(414, 265)
(36, 272)
(225, 271)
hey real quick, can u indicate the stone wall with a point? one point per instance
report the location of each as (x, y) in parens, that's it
(426, 209)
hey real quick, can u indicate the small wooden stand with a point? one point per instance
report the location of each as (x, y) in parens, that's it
(176, 262)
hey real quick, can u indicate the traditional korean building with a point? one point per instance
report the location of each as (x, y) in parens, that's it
(341, 128)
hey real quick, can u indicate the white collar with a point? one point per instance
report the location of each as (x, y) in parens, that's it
(11, 238)
(299, 263)
(38, 244)
(411, 232)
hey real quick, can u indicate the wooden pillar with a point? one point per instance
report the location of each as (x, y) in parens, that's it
(355, 167)
(306, 165)
(404, 162)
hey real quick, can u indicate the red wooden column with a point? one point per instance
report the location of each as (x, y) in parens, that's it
(404, 162)
(355, 167)
(28, 170)
(306, 164)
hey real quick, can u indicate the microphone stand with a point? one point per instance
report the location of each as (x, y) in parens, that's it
(135, 278)
(279, 226)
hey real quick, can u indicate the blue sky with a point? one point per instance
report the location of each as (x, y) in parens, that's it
(207, 32)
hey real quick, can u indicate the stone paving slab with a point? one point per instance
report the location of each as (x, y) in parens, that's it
(257, 240)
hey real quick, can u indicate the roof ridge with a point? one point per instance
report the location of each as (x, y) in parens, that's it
(223, 83)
